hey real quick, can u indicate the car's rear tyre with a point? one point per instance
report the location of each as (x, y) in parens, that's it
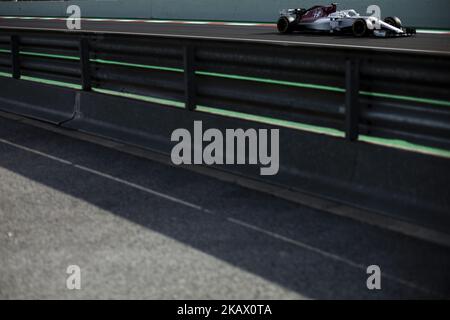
(284, 26)
(359, 28)
(394, 21)
(410, 31)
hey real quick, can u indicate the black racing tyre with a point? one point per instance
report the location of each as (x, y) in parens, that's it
(394, 21)
(359, 28)
(410, 31)
(284, 26)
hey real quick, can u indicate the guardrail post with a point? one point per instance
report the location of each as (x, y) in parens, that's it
(352, 78)
(85, 65)
(15, 58)
(189, 77)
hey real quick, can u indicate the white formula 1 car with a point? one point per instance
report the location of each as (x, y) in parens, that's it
(327, 19)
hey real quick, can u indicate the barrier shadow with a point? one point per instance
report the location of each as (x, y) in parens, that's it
(306, 251)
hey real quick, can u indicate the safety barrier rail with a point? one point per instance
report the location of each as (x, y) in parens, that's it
(337, 91)
(381, 94)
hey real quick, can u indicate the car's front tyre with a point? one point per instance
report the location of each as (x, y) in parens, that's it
(394, 21)
(284, 25)
(359, 28)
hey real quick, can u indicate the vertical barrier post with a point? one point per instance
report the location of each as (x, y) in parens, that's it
(15, 58)
(85, 65)
(352, 78)
(189, 77)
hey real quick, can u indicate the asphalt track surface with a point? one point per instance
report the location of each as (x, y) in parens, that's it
(431, 43)
(142, 229)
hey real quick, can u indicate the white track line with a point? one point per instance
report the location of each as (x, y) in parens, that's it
(315, 44)
(107, 176)
(329, 255)
(249, 226)
(230, 23)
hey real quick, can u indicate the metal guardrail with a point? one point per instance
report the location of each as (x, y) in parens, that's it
(370, 92)
(380, 94)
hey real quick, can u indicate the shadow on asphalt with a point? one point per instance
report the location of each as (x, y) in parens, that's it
(286, 256)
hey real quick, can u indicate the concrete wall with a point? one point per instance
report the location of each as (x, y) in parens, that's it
(419, 13)
(89, 8)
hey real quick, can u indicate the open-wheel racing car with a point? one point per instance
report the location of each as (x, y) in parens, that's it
(328, 20)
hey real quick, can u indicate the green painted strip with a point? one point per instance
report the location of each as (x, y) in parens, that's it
(52, 82)
(46, 55)
(406, 98)
(272, 121)
(6, 75)
(328, 88)
(271, 81)
(221, 75)
(135, 65)
(431, 30)
(404, 145)
(231, 114)
(393, 143)
(245, 78)
(44, 81)
(165, 102)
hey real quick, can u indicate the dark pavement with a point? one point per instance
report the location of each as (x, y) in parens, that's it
(141, 229)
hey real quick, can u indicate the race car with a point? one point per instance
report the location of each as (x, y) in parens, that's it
(328, 20)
